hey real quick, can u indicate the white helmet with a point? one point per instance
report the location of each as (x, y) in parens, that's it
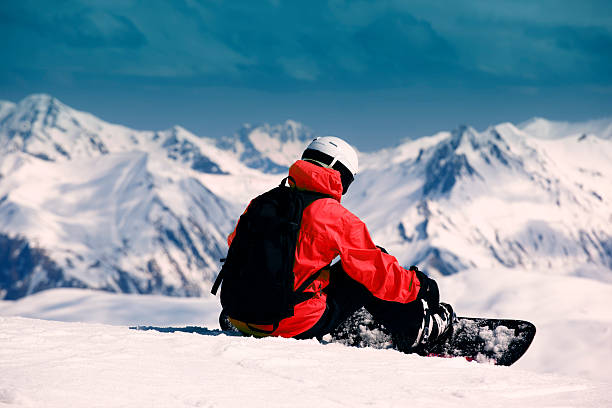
(335, 153)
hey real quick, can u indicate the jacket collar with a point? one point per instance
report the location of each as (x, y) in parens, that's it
(311, 177)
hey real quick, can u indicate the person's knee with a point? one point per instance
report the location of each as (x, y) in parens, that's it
(429, 291)
(397, 317)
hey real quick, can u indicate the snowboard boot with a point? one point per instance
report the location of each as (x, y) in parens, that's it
(444, 317)
(436, 328)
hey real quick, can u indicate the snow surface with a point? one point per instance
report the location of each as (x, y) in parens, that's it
(53, 364)
(568, 364)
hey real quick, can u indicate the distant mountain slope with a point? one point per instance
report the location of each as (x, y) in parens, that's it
(547, 129)
(43, 127)
(21, 265)
(114, 208)
(148, 211)
(496, 198)
(271, 149)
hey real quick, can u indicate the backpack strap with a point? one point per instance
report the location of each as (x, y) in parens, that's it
(288, 178)
(215, 286)
(300, 295)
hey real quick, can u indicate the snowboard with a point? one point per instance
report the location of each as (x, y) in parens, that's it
(494, 341)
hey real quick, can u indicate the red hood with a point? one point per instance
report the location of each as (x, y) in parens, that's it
(311, 177)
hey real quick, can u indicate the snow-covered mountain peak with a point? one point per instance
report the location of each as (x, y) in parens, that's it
(113, 208)
(501, 196)
(269, 148)
(44, 127)
(179, 130)
(447, 161)
(548, 129)
(463, 130)
(470, 156)
(267, 137)
(287, 132)
(6, 107)
(41, 101)
(36, 111)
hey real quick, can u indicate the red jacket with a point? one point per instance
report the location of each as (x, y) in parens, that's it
(329, 230)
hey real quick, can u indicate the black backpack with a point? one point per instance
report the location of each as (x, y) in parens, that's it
(257, 274)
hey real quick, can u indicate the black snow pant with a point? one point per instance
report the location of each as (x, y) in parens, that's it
(345, 296)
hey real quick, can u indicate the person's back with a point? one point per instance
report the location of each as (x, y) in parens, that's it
(404, 301)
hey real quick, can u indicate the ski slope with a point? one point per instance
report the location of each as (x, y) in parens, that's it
(56, 364)
(91, 358)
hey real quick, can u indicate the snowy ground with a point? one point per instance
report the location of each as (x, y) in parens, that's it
(53, 364)
(85, 363)
(573, 316)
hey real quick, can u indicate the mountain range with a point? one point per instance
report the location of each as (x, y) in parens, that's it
(85, 203)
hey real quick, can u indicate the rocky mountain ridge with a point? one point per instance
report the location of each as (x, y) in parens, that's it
(112, 208)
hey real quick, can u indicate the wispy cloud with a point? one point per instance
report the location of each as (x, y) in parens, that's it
(324, 44)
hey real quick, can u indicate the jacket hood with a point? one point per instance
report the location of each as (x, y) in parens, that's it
(311, 177)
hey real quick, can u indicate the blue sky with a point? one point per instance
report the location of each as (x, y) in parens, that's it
(373, 72)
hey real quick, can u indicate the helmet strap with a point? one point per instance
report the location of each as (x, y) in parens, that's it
(327, 166)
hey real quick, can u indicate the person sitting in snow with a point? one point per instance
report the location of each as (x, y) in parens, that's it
(405, 301)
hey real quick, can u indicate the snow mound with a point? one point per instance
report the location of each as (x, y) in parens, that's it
(53, 364)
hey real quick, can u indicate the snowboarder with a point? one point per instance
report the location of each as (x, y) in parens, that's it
(405, 301)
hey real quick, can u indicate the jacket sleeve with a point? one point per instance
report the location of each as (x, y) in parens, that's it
(379, 272)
